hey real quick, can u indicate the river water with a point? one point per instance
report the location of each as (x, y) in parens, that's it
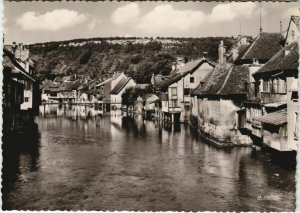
(82, 160)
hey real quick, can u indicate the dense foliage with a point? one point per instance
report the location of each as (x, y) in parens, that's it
(100, 57)
(132, 93)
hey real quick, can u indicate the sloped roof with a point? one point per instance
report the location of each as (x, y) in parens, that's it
(120, 85)
(10, 61)
(226, 79)
(284, 60)
(109, 80)
(236, 81)
(205, 78)
(264, 46)
(186, 69)
(172, 79)
(64, 86)
(216, 79)
(49, 85)
(275, 118)
(152, 98)
(74, 86)
(84, 86)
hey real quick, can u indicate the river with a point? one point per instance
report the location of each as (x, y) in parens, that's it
(83, 160)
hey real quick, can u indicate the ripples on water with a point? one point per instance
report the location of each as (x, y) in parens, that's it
(84, 160)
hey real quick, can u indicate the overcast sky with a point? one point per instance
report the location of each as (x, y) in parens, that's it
(31, 22)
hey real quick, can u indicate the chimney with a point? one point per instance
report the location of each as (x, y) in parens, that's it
(235, 53)
(221, 53)
(243, 40)
(204, 54)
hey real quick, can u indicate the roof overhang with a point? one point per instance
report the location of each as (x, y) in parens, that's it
(278, 118)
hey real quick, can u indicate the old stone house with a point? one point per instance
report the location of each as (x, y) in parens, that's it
(176, 101)
(117, 91)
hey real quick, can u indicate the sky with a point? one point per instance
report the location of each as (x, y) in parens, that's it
(33, 22)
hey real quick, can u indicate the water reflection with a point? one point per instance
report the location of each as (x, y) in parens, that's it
(85, 160)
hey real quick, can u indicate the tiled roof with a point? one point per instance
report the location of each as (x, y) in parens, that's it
(120, 85)
(264, 46)
(108, 80)
(286, 59)
(172, 79)
(216, 79)
(187, 68)
(10, 61)
(275, 118)
(236, 81)
(227, 79)
(74, 86)
(202, 85)
(49, 85)
(84, 87)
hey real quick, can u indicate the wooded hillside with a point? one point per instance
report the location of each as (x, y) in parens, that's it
(137, 57)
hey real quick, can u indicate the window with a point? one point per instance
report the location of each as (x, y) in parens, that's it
(26, 99)
(173, 91)
(173, 103)
(186, 91)
(192, 79)
(266, 86)
(294, 96)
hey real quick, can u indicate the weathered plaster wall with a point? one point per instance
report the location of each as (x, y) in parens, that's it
(219, 119)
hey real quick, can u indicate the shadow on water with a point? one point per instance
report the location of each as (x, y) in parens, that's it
(16, 146)
(134, 125)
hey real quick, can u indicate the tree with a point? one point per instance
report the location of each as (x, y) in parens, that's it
(131, 94)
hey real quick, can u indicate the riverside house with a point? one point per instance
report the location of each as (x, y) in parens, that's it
(117, 91)
(254, 56)
(49, 92)
(260, 102)
(87, 93)
(219, 102)
(111, 90)
(279, 87)
(21, 94)
(176, 89)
